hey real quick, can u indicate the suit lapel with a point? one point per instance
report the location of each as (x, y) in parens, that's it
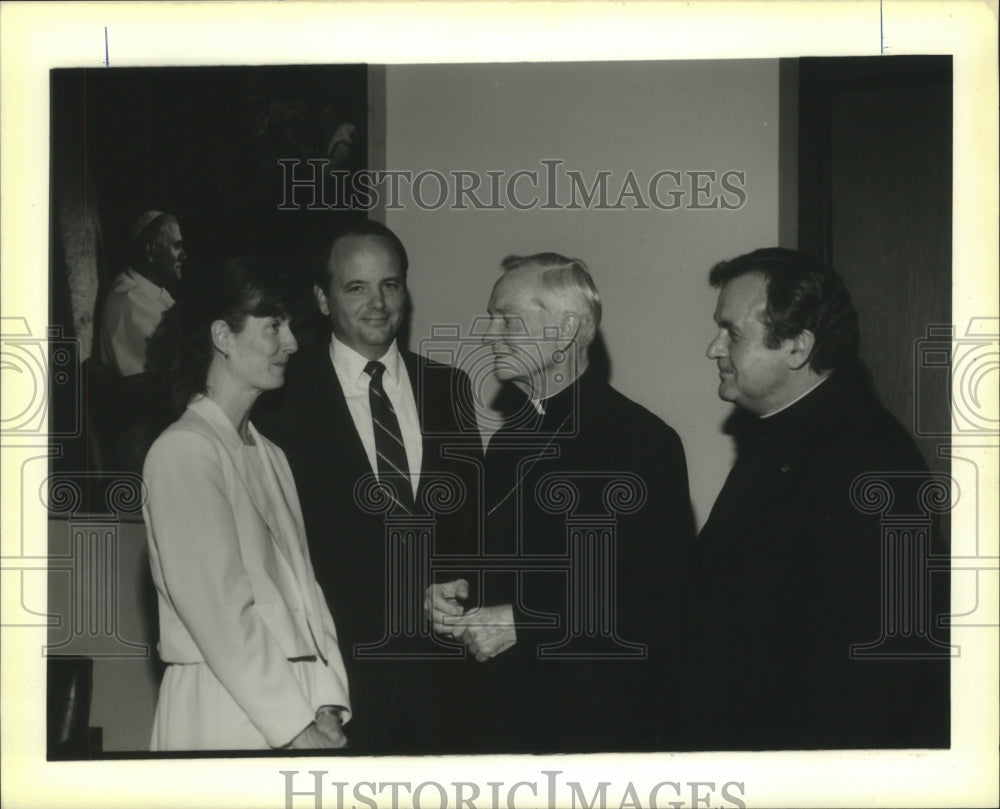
(287, 534)
(229, 438)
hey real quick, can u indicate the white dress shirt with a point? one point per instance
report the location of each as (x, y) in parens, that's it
(350, 368)
(131, 314)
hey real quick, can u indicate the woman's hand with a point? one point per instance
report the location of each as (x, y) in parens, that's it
(330, 725)
(313, 738)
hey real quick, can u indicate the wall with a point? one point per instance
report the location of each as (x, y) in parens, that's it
(650, 265)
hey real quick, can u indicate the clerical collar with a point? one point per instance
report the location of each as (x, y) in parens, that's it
(542, 405)
(798, 398)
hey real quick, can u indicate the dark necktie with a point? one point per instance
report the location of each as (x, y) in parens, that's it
(393, 470)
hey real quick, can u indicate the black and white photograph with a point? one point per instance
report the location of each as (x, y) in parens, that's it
(503, 427)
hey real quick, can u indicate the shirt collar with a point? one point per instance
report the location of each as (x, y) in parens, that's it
(352, 364)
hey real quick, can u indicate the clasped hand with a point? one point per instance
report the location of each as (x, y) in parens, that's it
(324, 733)
(486, 631)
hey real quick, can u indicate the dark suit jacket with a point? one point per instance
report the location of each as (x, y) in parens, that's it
(787, 574)
(399, 705)
(625, 536)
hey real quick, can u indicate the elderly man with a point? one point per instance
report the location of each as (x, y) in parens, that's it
(357, 407)
(786, 635)
(140, 295)
(586, 499)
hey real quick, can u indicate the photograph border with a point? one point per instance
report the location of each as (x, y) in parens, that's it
(36, 37)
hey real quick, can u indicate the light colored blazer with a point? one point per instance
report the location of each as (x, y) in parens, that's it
(235, 584)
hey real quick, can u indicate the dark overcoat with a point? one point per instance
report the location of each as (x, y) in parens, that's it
(586, 508)
(823, 540)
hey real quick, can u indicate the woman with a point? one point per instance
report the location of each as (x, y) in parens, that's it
(250, 646)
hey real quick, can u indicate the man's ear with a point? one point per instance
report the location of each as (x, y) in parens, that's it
(569, 327)
(321, 299)
(801, 349)
(222, 337)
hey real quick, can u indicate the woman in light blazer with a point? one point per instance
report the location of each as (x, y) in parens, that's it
(249, 643)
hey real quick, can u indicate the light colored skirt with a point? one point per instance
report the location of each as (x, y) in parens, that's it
(195, 711)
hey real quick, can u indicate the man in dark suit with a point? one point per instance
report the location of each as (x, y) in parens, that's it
(808, 625)
(586, 500)
(356, 410)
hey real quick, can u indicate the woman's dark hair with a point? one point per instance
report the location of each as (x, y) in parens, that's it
(180, 350)
(802, 294)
